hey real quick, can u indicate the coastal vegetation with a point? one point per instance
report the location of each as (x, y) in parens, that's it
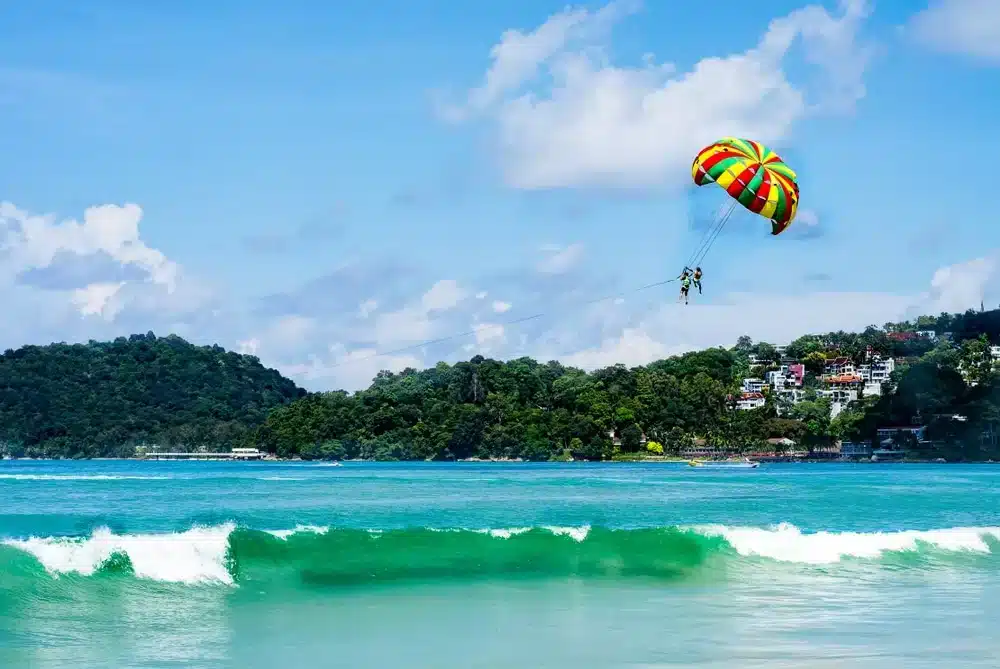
(107, 399)
(104, 399)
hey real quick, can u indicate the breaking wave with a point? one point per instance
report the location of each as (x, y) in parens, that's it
(321, 556)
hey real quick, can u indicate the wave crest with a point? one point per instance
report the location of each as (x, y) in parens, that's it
(323, 556)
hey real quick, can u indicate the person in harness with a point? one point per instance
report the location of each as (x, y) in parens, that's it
(697, 279)
(685, 280)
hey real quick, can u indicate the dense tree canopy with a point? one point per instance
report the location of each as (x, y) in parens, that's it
(102, 399)
(490, 409)
(107, 398)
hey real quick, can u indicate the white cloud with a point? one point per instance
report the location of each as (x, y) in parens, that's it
(35, 241)
(248, 346)
(970, 27)
(501, 307)
(410, 324)
(98, 275)
(97, 299)
(561, 260)
(598, 124)
(348, 369)
(634, 347)
(332, 349)
(445, 294)
(673, 329)
(291, 329)
(518, 56)
(960, 287)
(367, 307)
(486, 332)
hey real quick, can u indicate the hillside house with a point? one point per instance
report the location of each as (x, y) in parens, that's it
(748, 401)
(839, 367)
(875, 373)
(786, 376)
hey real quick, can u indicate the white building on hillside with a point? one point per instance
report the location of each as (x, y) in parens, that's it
(748, 401)
(839, 367)
(876, 373)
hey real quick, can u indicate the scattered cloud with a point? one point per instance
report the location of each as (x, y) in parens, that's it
(328, 226)
(445, 294)
(487, 332)
(673, 329)
(967, 27)
(386, 282)
(96, 299)
(959, 287)
(816, 277)
(806, 226)
(590, 123)
(98, 267)
(341, 329)
(68, 270)
(560, 260)
(110, 232)
(367, 308)
(348, 369)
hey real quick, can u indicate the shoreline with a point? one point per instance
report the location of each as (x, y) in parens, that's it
(642, 460)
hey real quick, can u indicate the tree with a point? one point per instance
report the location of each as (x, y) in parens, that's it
(814, 363)
(976, 360)
(108, 398)
(114, 398)
(744, 346)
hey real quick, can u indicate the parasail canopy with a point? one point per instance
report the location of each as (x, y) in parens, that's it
(752, 174)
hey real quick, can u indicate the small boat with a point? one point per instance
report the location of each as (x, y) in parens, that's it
(745, 463)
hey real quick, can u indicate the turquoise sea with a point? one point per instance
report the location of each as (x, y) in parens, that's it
(439, 566)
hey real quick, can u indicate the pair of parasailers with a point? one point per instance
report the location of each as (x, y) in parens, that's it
(686, 278)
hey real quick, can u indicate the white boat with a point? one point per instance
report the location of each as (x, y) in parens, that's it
(746, 463)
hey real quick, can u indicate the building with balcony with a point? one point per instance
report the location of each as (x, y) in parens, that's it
(748, 401)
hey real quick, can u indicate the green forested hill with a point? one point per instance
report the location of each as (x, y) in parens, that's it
(104, 398)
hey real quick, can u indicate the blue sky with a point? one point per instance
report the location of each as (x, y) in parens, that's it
(319, 183)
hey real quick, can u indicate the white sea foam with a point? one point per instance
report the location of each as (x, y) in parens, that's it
(195, 556)
(786, 543)
(299, 529)
(198, 555)
(576, 533)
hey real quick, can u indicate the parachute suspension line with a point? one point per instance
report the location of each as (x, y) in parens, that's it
(721, 212)
(711, 242)
(708, 239)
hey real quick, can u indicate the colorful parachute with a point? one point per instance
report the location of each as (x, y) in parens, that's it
(753, 175)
